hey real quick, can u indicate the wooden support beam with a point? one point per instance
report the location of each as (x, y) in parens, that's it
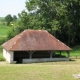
(51, 53)
(68, 52)
(60, 54)
(30, 54)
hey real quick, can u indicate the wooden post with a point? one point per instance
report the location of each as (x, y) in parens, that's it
(68, 52)
(51, 53)
(30, 54)
(60, 54)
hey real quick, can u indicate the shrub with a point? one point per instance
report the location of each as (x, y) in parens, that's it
(2, 40)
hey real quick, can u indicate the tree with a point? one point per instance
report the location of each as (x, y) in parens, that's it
(8, 19)
(60, 17)
(74, 17)
(46, 11)
(14, 17)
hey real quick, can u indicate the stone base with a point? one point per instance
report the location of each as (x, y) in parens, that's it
(13, 62)
(44, 60)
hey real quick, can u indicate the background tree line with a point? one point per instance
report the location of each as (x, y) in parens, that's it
(60, 17)
(9, 19)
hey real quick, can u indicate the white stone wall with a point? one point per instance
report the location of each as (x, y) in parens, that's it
(8, 55)
(4, 53)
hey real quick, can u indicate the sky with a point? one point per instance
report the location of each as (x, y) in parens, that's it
(12, 7)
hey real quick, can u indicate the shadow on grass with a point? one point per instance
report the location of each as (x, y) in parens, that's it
(2, 59)
(50, 62)
(72, 60)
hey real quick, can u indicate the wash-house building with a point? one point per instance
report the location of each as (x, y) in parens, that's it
(34, 46)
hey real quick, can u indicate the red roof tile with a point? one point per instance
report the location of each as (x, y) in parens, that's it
(34, 40)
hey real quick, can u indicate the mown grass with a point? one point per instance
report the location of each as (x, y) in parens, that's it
(40, 71)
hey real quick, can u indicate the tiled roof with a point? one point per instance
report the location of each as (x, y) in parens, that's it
(34, 40)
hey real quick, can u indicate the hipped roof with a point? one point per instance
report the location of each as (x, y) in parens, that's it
(34, 40)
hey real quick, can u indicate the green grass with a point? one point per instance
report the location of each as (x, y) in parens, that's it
(75, 52)
(40, 71)
(3, 30)
(61, 70)
(2, 18)
(3, 33)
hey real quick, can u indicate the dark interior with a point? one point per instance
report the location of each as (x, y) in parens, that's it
(41, 54)
(19, 55)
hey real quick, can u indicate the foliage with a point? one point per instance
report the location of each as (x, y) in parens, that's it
(2, 40)
(58, 17)
(8, 19)
(1, 56)
(14, 17)
(61, 18)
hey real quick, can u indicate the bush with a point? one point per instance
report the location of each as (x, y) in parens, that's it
(2, 40)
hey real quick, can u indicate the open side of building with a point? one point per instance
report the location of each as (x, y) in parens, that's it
(34, 46)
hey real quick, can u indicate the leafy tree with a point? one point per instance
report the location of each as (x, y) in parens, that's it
(60, 17)
(74, 17)
(8, 19)
(46, 13)
(14, 17)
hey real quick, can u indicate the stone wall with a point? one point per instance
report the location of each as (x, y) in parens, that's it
(44, 60)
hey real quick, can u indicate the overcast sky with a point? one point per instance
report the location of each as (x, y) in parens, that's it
(12, 7)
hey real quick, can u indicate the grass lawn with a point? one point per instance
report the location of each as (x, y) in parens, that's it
(3, 30)
(63, 70)
(40, 71)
